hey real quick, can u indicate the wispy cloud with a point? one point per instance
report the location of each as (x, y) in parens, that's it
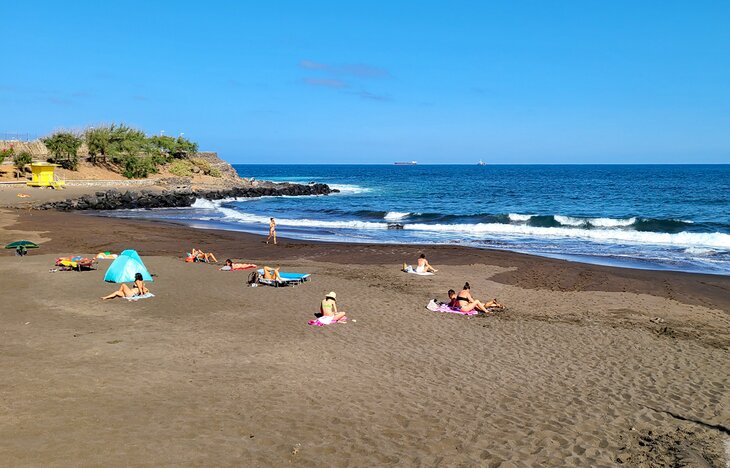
(359, 70)
(309, 65)
(339, 77)
(139, 97)
(326, 82)
(372, 96)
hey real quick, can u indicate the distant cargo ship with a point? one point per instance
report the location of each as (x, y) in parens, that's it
(481, 163)
(406, 163)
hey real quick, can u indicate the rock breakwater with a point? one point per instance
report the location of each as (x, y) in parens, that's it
(178, 198)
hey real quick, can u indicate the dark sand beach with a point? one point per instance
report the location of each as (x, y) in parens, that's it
(211, 372)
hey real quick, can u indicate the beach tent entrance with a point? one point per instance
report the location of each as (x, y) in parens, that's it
(126, 265)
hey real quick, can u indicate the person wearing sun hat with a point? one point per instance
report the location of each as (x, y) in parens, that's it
(328, 309)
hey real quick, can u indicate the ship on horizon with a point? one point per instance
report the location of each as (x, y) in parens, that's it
(406, 163)
(481, 163)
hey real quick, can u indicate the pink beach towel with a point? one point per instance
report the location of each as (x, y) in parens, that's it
(436, 307)
(322, 321)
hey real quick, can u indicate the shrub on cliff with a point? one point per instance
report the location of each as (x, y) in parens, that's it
(182, 168)
(63, 147)
(190, 167)
(99, 142)
(133, 152)
(205, 167)
(21, 160)
(173, 148)
(6, 153)
(137, 167)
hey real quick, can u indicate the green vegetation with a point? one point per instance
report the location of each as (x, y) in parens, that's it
(63, 147)
(174, 148)
(98, 140)
(131, 151)
(190, 167)
(21, 160)
(205, 167)
(6, 153)
(182, 168)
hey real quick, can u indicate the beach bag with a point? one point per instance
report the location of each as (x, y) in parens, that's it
(253, 278)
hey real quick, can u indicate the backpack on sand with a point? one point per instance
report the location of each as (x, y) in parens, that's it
(253, 278)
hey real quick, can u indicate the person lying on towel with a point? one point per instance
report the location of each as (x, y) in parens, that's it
(138, 289)
(230, 266)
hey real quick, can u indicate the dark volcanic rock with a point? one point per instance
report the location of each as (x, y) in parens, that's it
(113, 200)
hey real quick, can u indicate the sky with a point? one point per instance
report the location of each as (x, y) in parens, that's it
(381, 81)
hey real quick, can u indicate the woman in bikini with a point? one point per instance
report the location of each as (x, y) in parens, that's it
(201, 256)
(236, 266)
(138, 289)
(272, 273)
(328, 309)
(465, 302)
(272, 231)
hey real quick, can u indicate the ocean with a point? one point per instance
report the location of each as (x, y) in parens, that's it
(673, 217)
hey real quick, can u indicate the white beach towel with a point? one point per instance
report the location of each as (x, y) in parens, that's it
(136, 298)
(409, 269)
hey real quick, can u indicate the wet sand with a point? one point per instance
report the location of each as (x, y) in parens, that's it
(211, 372)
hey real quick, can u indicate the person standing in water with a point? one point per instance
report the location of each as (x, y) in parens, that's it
(272, 231)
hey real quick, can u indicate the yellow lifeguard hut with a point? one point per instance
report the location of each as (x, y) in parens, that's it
(44, 176)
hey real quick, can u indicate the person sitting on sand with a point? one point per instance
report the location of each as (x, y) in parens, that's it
(272, 273)
(465, 302)
(138, 289)
(236, 266)
(424, 266)
(201, 256)
(328, 309)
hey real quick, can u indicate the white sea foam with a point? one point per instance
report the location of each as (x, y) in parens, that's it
(681, 239)
(256, 219)
(569, 221)
(349, 189)
(700, 251)
(519, 217)
(395, 215)
(718, 241)
(206, 204)
(611, 222)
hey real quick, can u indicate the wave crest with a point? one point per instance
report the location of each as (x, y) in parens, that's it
(395, 215)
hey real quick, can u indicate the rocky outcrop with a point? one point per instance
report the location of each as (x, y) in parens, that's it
(224, 167)
(114, 199)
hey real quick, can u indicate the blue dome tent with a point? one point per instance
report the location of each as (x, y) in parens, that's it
(123, 269)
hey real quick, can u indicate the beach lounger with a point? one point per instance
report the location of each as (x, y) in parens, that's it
(287, 279)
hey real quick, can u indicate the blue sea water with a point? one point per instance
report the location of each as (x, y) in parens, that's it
(646, 216)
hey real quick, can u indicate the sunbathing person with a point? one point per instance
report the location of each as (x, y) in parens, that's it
(424, 266)
(236, 266)
(465, 302)
(272, 273)
(328, 309)
(201, 256)
(138, 289)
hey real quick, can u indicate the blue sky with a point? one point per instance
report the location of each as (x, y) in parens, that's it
(379, 81)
